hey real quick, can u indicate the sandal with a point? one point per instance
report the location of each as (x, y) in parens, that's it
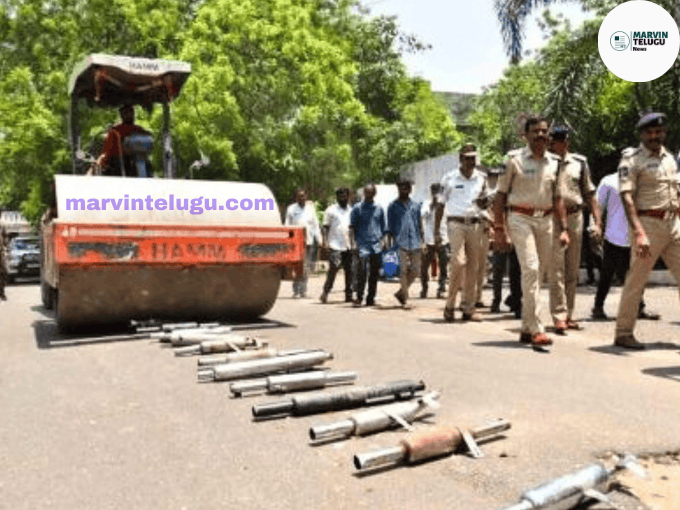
(572, 324)
(540, 340)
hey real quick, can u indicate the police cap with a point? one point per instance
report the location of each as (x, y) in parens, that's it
(559, 132)
(655, 119)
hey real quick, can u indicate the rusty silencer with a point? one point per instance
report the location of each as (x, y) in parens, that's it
(431, 442)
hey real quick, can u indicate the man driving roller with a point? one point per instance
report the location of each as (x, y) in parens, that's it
(112, 157)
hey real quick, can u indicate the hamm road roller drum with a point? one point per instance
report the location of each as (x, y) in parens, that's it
(119, 251)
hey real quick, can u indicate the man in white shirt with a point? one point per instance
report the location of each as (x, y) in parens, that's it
(433, 249)
(616, 246)
(463, 191)
(336, 238)
(303, 214)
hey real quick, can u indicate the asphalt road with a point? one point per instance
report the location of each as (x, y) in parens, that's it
(109, 423)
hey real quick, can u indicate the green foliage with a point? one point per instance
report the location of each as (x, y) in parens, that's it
(568, 83)
(286, 92)
(499, 110)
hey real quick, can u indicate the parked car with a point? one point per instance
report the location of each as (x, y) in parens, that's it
(23, 257)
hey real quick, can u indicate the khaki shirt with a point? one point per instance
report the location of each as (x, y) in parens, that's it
(574, 182)
(3, 237)
(653, 181)
(528, 181)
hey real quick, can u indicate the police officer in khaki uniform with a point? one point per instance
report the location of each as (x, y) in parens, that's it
(3, 266)
(577, 190)
(528, 188)
(463, 191)
(484, 243)
(648, 184)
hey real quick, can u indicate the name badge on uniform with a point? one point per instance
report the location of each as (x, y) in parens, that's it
(460, 186)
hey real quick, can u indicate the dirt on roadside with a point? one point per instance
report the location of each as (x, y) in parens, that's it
(661, 489)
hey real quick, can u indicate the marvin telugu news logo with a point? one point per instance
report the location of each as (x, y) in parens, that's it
(621, 41)
(638, 41)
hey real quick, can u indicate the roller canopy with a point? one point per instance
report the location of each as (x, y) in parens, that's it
(108, 80)
(75, 202)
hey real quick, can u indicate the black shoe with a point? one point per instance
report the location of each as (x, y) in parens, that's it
(518, 313)
(423, 294)
(513, 304)
(441, 294)
(480, 304)
(324, 297)
(3, 296)
(357, 303)
(348, 299)
(399, 296)
(650, 316)
(495, 307)
(370, 302)
(598, 314)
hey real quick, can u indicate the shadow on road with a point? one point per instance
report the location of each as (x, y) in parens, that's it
(42, 310)
(506, 344)
(621, 351)
(672, 373)
(47, 335)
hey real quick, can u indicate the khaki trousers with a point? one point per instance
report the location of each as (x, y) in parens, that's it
(483, 262)
(532, 238)
(566, 263)
(409, 269)
(664, 242)
(464, 264)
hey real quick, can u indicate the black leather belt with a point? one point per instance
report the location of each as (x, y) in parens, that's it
(463, 219)
(661, 214)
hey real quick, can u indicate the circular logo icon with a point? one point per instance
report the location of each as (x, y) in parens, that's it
(619, 41)
(638, 41)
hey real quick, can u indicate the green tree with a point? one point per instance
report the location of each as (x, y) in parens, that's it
(284, 92)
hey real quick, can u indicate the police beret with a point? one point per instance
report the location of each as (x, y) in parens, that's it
(651, 120)
(559, 131)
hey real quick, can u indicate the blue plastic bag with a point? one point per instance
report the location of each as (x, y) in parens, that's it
(389, 267)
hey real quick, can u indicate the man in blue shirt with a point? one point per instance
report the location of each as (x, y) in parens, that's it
(406, 231)
(367, 224)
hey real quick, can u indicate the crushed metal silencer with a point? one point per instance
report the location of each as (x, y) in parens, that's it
(262, 367)
(431, 442)
(155, 326)
(231, 357)
(376, 420)
(221, 343)
(572, 490)
(324, 402)
(293, 382)
(190, 336)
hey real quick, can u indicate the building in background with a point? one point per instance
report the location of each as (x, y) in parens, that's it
(15, 224)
